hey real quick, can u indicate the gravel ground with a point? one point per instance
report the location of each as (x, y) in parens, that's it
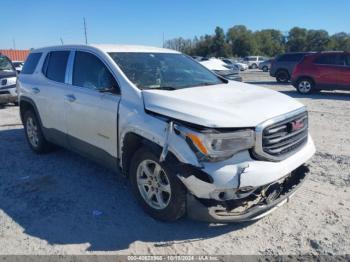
(63, 204)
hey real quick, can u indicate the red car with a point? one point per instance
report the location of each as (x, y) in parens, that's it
(323, 70)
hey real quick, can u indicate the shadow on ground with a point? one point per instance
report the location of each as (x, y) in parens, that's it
(65, 199)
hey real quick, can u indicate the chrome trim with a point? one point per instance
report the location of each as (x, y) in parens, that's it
(258, 148)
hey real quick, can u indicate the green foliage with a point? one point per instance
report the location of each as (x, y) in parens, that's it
(240, 41)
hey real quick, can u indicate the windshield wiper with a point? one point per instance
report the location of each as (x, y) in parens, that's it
(162, 88)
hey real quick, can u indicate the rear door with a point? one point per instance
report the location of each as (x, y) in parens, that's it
(49, 93)
(326, 70)
(92, 110)
(344, 71)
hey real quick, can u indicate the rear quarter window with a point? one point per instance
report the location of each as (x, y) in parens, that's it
(31, 63)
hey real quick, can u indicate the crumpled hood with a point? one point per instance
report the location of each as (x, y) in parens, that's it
(222, 106)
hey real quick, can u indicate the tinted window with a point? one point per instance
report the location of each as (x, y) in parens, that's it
(290, 57)
(344, 60)
(329, 59)
(31, 63)
(90, 72)
(55, 65)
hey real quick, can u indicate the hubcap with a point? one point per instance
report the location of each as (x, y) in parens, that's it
(304, 86)
(32, 132)
(153, 184)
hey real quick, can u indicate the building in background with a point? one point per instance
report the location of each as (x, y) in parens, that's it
(14, 54)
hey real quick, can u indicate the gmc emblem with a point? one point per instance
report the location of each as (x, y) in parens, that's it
(297, 125)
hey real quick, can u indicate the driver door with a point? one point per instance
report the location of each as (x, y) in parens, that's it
(91, 105)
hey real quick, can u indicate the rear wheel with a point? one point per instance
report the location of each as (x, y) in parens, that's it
(34, 134)
(282, 76)
(254, 66)
(305, 86)
(156, 187)
(265, 69)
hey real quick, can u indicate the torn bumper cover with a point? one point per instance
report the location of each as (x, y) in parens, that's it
(258, 204)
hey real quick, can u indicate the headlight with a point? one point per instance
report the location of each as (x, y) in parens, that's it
(211, 145)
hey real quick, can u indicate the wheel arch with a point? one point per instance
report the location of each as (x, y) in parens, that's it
(26, 103)
(132, 142)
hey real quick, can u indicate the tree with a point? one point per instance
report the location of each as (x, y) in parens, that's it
(179, 44)
(297, 39)
(219, 46)
(340, 41)
(317, 40)
(242, 41)
(270, 42)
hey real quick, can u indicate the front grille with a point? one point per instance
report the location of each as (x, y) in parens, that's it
(279, 139)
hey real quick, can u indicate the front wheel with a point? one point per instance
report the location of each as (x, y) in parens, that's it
(265, 69)
(305, 86)
(156, 187)
(254, 66)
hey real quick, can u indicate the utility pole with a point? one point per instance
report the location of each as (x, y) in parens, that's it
(85, 31)
(163, 40)
(14, 43)
(61, 41)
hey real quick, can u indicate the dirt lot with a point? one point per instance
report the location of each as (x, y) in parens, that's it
(63, 204)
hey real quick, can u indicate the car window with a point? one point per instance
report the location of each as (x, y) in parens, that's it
(55, 65)
(262, 58)
(327, 59)
(344, 60)
(290, 58)
(31, 63)
(90, 72)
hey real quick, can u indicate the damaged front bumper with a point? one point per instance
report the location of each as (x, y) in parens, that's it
(258, 204)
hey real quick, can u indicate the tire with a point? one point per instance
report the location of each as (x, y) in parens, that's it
(15, 103)
(254, 66)
(282, 76)
(305, 86)
(167, 201)
(34, 134)
(265, 69)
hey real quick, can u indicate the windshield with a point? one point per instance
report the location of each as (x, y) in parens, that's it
(163, 70)
(5, 64)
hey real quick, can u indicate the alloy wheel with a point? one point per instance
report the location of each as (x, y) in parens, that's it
(153, 184)
(32, 132)
(304, 86)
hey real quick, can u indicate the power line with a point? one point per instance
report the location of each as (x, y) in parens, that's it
(85, 31)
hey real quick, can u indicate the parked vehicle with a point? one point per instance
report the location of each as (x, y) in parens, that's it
(253, 61)
(189, 140)
(282, 67)
(266, 65)
(229, 72)
(324, 70)
(8, 76)
(18, 65)
(241, 66)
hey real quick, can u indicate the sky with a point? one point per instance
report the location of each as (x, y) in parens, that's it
(36, 23)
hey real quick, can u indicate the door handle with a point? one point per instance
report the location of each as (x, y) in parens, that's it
(71, 98)
(35, 90)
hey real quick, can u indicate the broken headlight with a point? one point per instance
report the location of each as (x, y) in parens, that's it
(211, 145)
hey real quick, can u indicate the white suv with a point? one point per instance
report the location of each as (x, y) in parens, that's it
(189, 141)
(253, 61)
